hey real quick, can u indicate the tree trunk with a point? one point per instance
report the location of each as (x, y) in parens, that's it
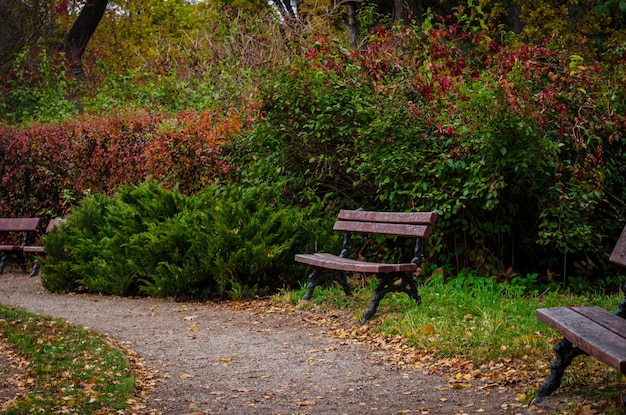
(399, 11)
(517, 20)
(353, 25)
(80, 33)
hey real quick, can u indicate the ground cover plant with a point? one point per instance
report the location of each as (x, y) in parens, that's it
(68, 369)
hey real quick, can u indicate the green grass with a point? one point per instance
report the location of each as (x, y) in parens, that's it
(481, 329)
(481, 319)
(71, 369)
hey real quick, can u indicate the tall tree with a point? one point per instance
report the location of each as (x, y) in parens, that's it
(83, 28)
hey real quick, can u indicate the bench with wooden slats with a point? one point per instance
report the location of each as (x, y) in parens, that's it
(17, 233)
(39, 249)
(587, 330)
(396, 277)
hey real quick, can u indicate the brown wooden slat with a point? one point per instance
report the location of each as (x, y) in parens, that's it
(331, 261)
(601, 316)
(33, 249)
(390, 217)
(408, 230)
(10, 247)
(618, 256)
(596, 340)
(19, 224)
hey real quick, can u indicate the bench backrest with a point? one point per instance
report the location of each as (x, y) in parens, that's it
(618, 256)
(19, 224)
(53, 223)
(410, 224)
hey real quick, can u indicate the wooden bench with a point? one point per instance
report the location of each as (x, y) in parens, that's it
(26, 228)
(392, 277)
(39, 249)
(587, 330)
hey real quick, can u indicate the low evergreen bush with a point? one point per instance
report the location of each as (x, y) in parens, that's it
(223, 241)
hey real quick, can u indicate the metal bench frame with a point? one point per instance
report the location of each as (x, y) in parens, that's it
(588, 330)
(392, 277)
(28, 227)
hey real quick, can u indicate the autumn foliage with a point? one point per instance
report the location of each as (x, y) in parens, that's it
(47, 167)
(519, 145)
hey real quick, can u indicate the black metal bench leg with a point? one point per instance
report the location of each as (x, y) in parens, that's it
(565, 353)
(379, 292)
(315, 279)
(411, 284)
(23, 263)
(35, 270)
(387, 285)
(3, 261)
(342, 279)
(319, 275)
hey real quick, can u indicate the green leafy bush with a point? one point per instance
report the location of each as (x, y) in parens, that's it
(37, 91)
(519, 147)
(148, 240)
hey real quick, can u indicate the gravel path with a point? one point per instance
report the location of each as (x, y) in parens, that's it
(223, 359)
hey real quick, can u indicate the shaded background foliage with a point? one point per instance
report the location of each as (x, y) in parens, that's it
(510, 125)
(512, 152)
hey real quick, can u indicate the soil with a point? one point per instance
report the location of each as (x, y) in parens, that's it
(262, 358)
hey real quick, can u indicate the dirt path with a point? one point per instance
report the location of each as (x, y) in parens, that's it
(221, 359)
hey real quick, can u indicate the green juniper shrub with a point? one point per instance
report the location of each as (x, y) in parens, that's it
(224, 240)
(71, 247)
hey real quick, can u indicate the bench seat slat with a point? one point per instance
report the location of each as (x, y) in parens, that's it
(35, 249)
(607, 320)
(10, 247)
(335, 262)
(595, 339)
(19, 224)
(390, 217)
(409, 230)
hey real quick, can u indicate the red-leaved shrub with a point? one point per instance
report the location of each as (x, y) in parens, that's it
(45, 167)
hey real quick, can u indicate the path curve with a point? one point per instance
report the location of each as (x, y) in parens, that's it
(216, 359)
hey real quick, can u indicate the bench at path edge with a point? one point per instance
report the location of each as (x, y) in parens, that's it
(38, 249)
(587, 330)
(27, 228)
(392, 277)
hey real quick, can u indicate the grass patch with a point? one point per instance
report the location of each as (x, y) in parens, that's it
(477, 328)
(481, 320)
(70, 370)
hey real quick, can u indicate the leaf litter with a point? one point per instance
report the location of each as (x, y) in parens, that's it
(501, 385)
